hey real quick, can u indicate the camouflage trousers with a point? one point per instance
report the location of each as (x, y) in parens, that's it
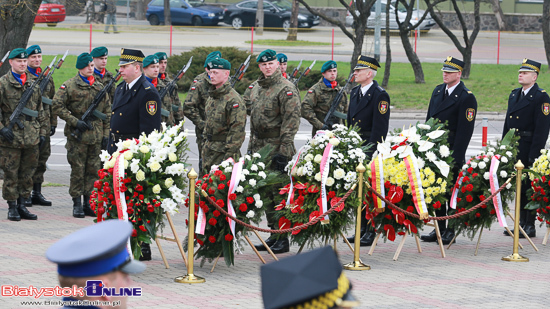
(43, 156)
(85, 162)
(19, 165)
(211, 157)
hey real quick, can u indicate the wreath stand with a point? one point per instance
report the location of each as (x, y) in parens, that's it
(523, 232)
(399, 247)
(176, 239)
(545, 240)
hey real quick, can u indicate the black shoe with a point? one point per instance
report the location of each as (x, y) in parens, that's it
(36, 196)
(24, 213)
(145, 252)
(530, 231)
(270, 241)
(432, 237)
(13, 214)
(86, 207)
(78, 212)
(367, 239)
(448, 236)
(351, 239)
(280, 246)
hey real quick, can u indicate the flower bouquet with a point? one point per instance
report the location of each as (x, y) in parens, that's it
(239, 188)
(322, 173)
(540, 185)
(411, 170)
(141, 181)
(479, 177)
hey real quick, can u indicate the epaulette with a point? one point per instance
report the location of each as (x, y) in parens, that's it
(469, 92)
(542, 90)
(356, 86)
(381, 89)
(147, 88)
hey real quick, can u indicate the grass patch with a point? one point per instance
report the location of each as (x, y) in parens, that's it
(289, 43)
(53, 184)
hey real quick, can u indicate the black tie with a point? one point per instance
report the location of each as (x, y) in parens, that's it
(360, 95)
(446, 94)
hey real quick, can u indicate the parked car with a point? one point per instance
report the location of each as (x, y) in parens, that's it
(184, 12)
(276, 15)
(401, 12)
(50, 12)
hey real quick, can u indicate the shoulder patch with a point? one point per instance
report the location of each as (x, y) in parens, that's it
(236, 105)
(194, 81)
(470, 114)
(193, 88)
(151, 107)
(289, 93)
(383, 107)
(542, 90)
(62, 86)
(310, 91)
(546, 109)
(251, 86)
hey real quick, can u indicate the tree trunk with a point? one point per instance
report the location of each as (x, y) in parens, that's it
(499, 15)
(293, 31)
(17, 17)
(387, 65)
(546, 29)
(167, 15)
(260, 18)
(140, 10)
(404, 31)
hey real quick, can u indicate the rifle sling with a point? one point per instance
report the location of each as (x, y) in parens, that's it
(99, 114)
(175, 107)
(29, 112)
(340, 115)
(164, 112)
(47, 100)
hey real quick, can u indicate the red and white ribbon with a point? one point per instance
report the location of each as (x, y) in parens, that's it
(235, 179)
(290, 199)
(497, 202)
(120, 197)
(201, 222)
(325, 167)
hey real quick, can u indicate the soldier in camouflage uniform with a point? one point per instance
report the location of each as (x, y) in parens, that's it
(225, 117)
(319, 98)
(101, 74)
(274, 109)
(283, 62)
(177, 108)
(70, 102)
(33, 71)
(195, 102)
(19, 147)
(151, 72)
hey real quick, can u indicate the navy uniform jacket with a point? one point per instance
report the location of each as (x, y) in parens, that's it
(459, 110)
(134, 111)
(529, 115)
(371, 114)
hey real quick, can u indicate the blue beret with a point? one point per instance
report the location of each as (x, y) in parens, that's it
(267, 55)
(83, 60)
(34, 49)
(328, 66)
(161, 56)
(101, 51)
(95, 250)
(151, 59)
(282, 58)
(20, 53)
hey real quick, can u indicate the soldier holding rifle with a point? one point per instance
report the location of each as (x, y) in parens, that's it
(70, 103)
(101, 74)
(151, 71)
(23, 130)
(177, 108)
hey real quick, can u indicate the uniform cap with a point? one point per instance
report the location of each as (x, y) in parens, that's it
(530, 66)
(212, 55)
(95, 250)
(267, 55)
(364, 62)
(101, 51)
(329, 65)
(128, 56)
(309, 280)
(219, 63)
(19, 53)
(282, 58)
(83, 60)
(451, 64)
(151, 59)
(34, 49)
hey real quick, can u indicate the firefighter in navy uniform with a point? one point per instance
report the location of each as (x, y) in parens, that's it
(369, 109)
(528, 113)
(453, 103)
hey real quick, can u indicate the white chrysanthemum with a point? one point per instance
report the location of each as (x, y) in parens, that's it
(508, 153)
(134, 166)
(261, 165)
(243, 178)
(339, 173)
(486, 159)
(239, 189)
(482, 165)
(502, 147)
(420, 162)
(252, 182)
(169, 205)
(214, 168)
(431, 156)
(491, 149)
(245, 172)
(503, 174)
(465, 166)
(423, 126)
(318, 176)
(486, 175)
(247, 158)
(490, 153)
(256, 197)
(504, 159)
(256, 155)
(330, 181)
(444, 151)
(262, 174)
(318, 158)
(250, 214)
(228, 169)
(225, 164)
(473, 164)
(254, 168)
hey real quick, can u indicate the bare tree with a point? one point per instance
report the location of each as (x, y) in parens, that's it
(140, 9)
(546, 29)
(293, 30)
(16, 21)
(387, 65)
(465, 50)
(260, 18)
(167, 14)
(499, 15)
(360, 15)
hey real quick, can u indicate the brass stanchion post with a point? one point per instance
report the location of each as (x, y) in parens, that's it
(190, 277)
(357, 264)
(515, 257)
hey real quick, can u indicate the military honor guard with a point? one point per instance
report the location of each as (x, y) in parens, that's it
(369, 109)
(102, 262)
(275, 118)
(283, 63)
(163, 64)
(101, 74)
(225, 117)
(84, 140)
(176, 106)
(33, 71)
(320, 96)
(19, 147)
(453, 103)
(151, 70)
(528, 113)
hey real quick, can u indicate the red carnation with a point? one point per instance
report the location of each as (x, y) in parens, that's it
(478, 215)
(410, 209)
(201, 243)
(139, 187)
(98, 184)
(470, 170)
(474, 175)
(463, 190)
(212, 221)
(216, 213)
(232, 196)
(212, 239)
(469, 198)
(221, 186)
(331, 194)
(387, 184)
(150, 208)
(204, 186)
(250, 200)
(210, 180)
(211, 191)
(492, 212)
(243, 207)
(220, 203)
(482, 197)
(470, 187)
(134, 233)
(218, 173)
(141, 197)
(228, 237)
(223, 177)
(466, 179)
(141, 227)
(437, 205)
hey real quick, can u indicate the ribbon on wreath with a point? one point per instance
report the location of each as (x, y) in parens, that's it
(497, 201)
(325, 167)
(377, 176)
(201, 222)
(235, 179)
(120, 196)
(413, 172)
(290, 199)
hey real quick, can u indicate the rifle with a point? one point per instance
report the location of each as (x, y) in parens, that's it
(46, 79)
(4, 59)
(332, 113)
(305, 73)
(172, 85)
(91, 112)
(295, 72)
(240, 72)
(27, 95)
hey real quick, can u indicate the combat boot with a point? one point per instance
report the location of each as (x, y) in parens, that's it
(78, 212)
(24, 213)
(37, 197)
(86, 207)
(13, 214)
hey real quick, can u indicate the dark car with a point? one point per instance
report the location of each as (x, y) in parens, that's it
(276, 15)
(184, 12)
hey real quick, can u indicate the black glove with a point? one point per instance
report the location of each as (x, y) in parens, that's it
(82, 126)
(279, 162)
(327, 126)
(7, 133)
(42, 142)
(104, 143)
(52, 130)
